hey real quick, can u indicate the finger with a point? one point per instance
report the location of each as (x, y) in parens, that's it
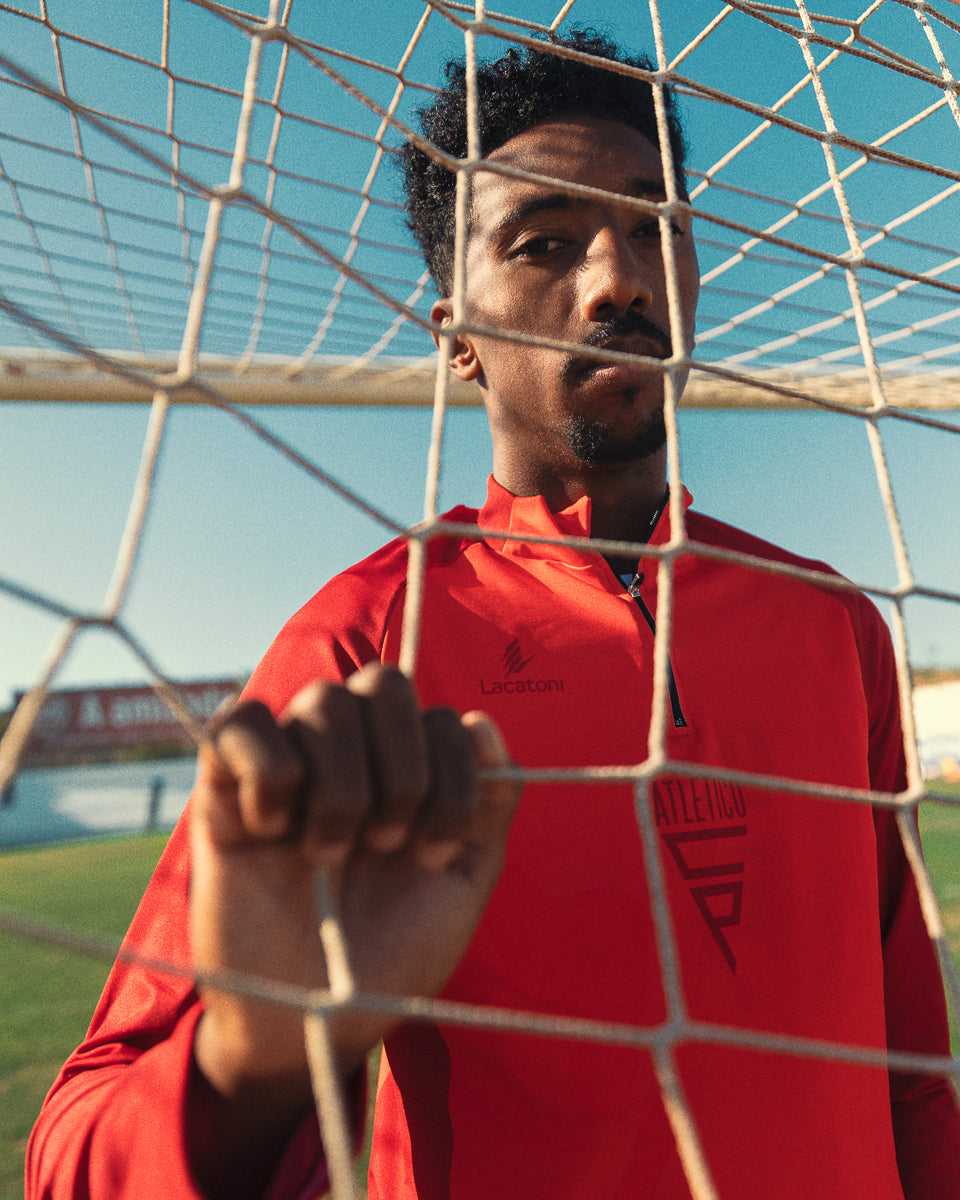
(398, 758)
(250, 776)
(454, 792)
(482, 844)
(326, 724)
(498, 797)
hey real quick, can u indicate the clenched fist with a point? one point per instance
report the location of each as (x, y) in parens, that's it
(388, 800)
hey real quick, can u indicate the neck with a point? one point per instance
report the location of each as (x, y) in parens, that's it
(624, 498)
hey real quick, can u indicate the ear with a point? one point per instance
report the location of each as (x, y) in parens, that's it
(463, 360)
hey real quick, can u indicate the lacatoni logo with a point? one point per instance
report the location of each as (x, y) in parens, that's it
(513, 662)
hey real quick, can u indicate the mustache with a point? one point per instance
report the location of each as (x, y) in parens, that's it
(628, 325)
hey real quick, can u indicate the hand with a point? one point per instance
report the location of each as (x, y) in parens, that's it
(357, 780)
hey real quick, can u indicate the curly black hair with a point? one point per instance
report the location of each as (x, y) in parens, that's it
(523, 88)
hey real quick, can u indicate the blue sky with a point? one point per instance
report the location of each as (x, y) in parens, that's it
(237, 539)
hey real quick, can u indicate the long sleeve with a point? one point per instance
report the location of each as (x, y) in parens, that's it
(113, 1124)
(926, 1118)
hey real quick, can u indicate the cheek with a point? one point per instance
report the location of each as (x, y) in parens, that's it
(690, 281)
(688, 278)
(507, 300)
(509, 312)
(513, 368)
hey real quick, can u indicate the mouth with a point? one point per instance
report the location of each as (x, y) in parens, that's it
(630, 333)
(618, 373)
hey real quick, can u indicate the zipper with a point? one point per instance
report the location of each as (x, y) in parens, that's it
(679, 720)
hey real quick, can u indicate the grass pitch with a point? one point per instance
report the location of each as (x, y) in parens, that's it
(940, 830)
(47, 994)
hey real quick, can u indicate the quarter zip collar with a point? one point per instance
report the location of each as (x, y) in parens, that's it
(524, 516)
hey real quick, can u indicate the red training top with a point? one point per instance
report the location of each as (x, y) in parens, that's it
(793, 915)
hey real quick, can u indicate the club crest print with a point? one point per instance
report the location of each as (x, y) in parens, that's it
(711, 858)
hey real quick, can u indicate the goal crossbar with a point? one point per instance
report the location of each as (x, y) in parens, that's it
(27, 375)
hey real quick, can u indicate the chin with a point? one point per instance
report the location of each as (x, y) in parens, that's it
(597, 444)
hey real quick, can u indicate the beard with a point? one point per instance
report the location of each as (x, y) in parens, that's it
(596, 443)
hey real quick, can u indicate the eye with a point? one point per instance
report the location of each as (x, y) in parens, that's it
(540, 246)
(651, 229)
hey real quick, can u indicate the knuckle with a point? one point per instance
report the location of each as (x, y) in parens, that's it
(445, 721)
(244, 714)
(336, 707)
(250, 743)
(337, 788)
(317, 698)
(381, 682)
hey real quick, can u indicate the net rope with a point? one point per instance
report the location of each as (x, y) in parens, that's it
(125, 327)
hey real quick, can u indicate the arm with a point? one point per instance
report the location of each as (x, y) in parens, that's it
(926, 1119)
(177, 1096)
(356, 780)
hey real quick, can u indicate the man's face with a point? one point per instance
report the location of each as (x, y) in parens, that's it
(573, 269)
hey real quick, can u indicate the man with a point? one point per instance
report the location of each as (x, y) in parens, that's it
(793, 915)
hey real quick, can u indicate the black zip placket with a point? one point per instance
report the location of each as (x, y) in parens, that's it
(679, 720)
(633, 587)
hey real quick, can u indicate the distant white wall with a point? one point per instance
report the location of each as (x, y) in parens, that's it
(936, 708)
(67, 802)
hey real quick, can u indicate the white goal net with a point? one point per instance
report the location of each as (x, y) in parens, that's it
(217, 379)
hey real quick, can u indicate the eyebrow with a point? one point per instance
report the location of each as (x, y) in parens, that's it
(566, 202)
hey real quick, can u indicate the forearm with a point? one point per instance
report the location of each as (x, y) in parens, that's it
(926, 1126)
(148, 1128)
(235, 1143)
(114, 1125)
(240, 1127)
(237, 1124)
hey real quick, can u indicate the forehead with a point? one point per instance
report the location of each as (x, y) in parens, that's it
(594, 151)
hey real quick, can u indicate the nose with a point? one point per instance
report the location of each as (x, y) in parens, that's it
(614, 277)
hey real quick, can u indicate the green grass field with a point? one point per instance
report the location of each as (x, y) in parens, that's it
(940, 829)
(47, 994)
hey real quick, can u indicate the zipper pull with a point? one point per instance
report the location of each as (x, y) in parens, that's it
(634, 588)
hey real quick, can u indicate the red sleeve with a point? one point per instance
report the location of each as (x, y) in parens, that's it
(112, 1126)
(926, 1119)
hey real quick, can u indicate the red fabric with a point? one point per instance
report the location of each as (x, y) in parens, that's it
(793, 914)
